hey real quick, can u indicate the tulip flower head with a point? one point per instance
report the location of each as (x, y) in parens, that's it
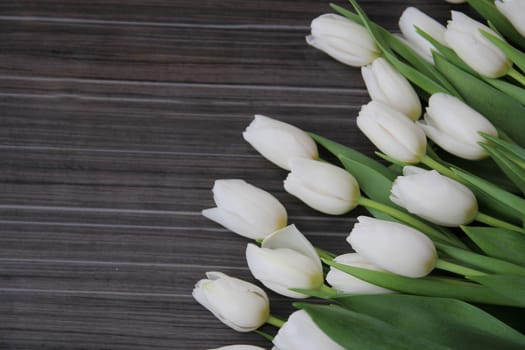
(286, 259)
(322, 186)
(385, 84)
(238, 304)
(464, 37)
(392, 132)
(342, 39)
(394, 247)
(455, 126)
(434, 197)
(514, 10)
(246, 209)
(412, 18)
(301, 333)
(239, 347)
(278, 141)
(348, 284)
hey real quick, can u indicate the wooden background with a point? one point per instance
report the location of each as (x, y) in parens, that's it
(116, 118)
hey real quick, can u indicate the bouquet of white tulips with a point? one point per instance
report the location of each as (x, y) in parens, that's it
(451, 199)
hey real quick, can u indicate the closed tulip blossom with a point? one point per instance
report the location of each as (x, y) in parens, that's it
(412, 18)
(342, 39)
(286, 259)
(238, 304)
(385, 84)
(348, 284)
(464, 37)
(322, 186)
(301, 333)
(278, 141)
(434, 197)
(455, 126)
(514, 10)
(394, 247)
(246, 209)
(239, 347)
(392, 132)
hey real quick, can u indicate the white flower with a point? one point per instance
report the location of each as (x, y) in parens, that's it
(286, 259)
(514, 10)
(392, 132)
(385, 84)
(322, 186)
(239, 347)
(394, 247)
(348, 284)
(412, 18)
(434, 197)
(454, 126)
(464, 37)
(301, 333)
(343, 39)
(238, 304)
(246, 209)
(278, 141)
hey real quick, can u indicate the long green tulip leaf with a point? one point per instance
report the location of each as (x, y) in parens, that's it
(445, 321)
(498, 242)
(514, 172)
(517, 151)
(505, 112)
(511, 286)
(510, 89)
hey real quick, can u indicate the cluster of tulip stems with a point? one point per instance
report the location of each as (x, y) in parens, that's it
(447, 195)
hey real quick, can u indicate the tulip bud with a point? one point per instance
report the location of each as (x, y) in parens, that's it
(464, 37)
(348, 284)
(238, 304)
(434, 197)
(239, 347)
(278, 141)
(392, 132)
(322, 186)
(412, 18)
(455, 126)
(286, 259)
(301, 333)
(394, 247)
(246, 209)
(342, 39)
(514, 10)
(385, 84)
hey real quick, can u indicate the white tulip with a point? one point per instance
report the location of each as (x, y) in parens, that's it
(434, 197)
(385, 84)
(348, 284)
(301, 333)
(238, 304)
(322, 186)
(464, 37)
(412, 18)
(278, 141)
(514, 10)
(246, 209)
(286, 259)
(239, 347)
(342, 39)
(394, 247)
(392, 132)
(454, 126)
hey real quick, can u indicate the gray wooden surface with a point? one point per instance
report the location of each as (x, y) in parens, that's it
(116, 118)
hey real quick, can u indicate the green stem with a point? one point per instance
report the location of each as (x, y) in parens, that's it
(458, 269)
(408, 219)
(494, 222)
(324, 253)
(327, 289)
(516, 76)
(434, 164)
(275, 321)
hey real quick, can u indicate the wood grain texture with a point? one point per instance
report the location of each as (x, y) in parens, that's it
(117, 116)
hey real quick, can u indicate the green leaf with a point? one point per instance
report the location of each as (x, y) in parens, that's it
(510, 89)
(511, 286)
(514, 172)
(517, 151)
(354, 330)
(427, 286)
(449, 322)
(488, 10)
(505, 112)
(499, 243)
